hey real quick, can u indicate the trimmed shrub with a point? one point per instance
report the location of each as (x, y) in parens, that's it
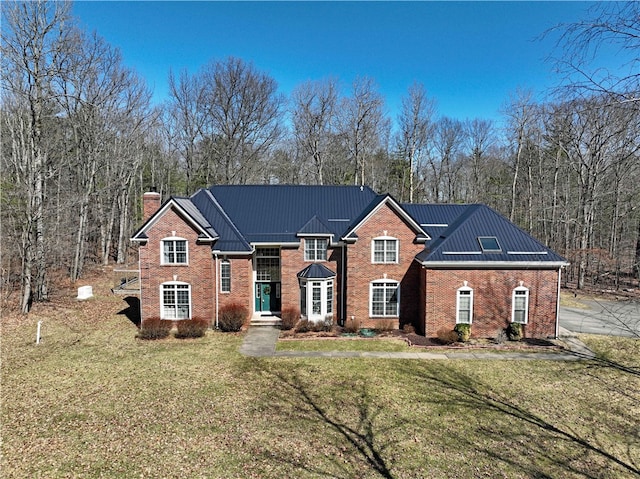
(501, 336)
(464, 331)
(447, 336)
(322, 326)
(304, 326)
(289, 318)
(232, 317)
(514, 332)
(384, 325)
(351, 326)
(155, 328)
(192, 328)
(408, 329)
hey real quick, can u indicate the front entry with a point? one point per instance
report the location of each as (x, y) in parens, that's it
(267, 298)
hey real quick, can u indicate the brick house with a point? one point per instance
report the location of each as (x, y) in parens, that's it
(343, 252)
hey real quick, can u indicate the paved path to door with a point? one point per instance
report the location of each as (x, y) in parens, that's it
(260, 341)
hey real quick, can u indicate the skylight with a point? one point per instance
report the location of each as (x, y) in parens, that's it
(489, 244)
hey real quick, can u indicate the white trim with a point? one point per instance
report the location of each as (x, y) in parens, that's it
(493, 264)
(385, 238)
(465, 289)
(315, 249)
(174, 239)
(435, 225)
(175, 283)
(514, 294)
(385, 281)
(222, 263)
(527, 252)
(325, 285)
(158, 214)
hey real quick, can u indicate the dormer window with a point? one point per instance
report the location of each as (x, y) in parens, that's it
(174, 251)
(315, 249)
(384, 250)
(489, 244)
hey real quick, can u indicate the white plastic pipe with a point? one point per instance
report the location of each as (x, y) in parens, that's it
(38, 332)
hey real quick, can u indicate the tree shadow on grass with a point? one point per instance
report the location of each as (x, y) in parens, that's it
(516, 424)
(132, 312)
(360, 441)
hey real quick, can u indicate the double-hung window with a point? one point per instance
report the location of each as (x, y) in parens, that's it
(174, 251)
(315, 249)
(464, 305)
(176, 300)
(384, 299)
(520, 305)
(385, 250)
(225, 276)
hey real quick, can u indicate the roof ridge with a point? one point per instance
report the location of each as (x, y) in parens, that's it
(224, 214)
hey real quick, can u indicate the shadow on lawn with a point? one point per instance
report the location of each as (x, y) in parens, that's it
(133, 311)
(513, 425)
(358, 445)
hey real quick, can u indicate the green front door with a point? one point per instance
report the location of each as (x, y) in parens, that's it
(263, 296)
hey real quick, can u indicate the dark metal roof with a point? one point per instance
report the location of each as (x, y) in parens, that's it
(194, 213)
(316, 271)
(315, 226)
(276, 213)
(435, 219)
(459, 242)
(230, 239)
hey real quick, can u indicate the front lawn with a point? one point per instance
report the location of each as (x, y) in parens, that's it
(94, 401)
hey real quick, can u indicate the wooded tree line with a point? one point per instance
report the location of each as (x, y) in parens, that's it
(81, 142)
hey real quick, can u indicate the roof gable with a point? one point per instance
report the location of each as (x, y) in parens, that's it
(314, 227)
(186, 210)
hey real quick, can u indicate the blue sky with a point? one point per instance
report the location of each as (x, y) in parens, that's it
(469, 55)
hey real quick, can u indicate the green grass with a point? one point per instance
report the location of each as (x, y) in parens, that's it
(92, 401)
(380, 345)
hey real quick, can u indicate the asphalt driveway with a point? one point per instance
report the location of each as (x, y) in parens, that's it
(614, 318)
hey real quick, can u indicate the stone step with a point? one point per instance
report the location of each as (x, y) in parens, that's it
(265, 321)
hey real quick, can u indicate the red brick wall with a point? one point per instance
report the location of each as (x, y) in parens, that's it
(199, 272)
(241, 283)
(292, 262)
(492, 297)
(361, 271)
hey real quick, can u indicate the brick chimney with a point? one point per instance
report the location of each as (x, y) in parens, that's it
(150, 203)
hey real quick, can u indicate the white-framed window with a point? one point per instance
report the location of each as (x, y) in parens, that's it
(225, 276)
(316, 298)
(174, 251)
(175, 300)
(464, 305)
(384, 250)
(384, 298)
(520, 305)
(267, 263)
(315, 249)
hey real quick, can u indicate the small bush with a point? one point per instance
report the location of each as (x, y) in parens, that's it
(289, 317)
(464, 331)
(351, 326)
(384, 325)
(514, 331)
(155, 328)
(192, 328)
(501, 336)
(408, 329)
(232, 317)
(447, 336)
(325, 325)
(303, 326)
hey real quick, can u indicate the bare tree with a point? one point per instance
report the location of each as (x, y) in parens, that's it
(314, 118)
(416, 123)
(449, 139)
(35, 42)
(612, 24)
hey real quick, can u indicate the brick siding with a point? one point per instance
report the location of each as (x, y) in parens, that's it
(492, 300)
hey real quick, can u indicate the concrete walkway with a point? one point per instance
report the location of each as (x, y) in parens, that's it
(260, 341)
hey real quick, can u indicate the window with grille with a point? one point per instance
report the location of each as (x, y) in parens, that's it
(384, 299)
(315, 249)
(174, 251)
(225, 276)
(385, 250)
(176, 301)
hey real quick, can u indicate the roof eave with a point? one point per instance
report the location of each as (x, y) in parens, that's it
(494, 264)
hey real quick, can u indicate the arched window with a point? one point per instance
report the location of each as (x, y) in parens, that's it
(464, 305)
(175, 300)
(520, 305)
(384, 298)
(225, 276)
(174, 250)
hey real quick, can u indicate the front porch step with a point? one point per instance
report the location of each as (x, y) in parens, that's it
(258, 320)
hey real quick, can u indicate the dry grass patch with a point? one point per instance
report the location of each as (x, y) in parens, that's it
(93, 401)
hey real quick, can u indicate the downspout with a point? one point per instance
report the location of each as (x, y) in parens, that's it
(558, 303)
(215, 256)
(343, 286)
